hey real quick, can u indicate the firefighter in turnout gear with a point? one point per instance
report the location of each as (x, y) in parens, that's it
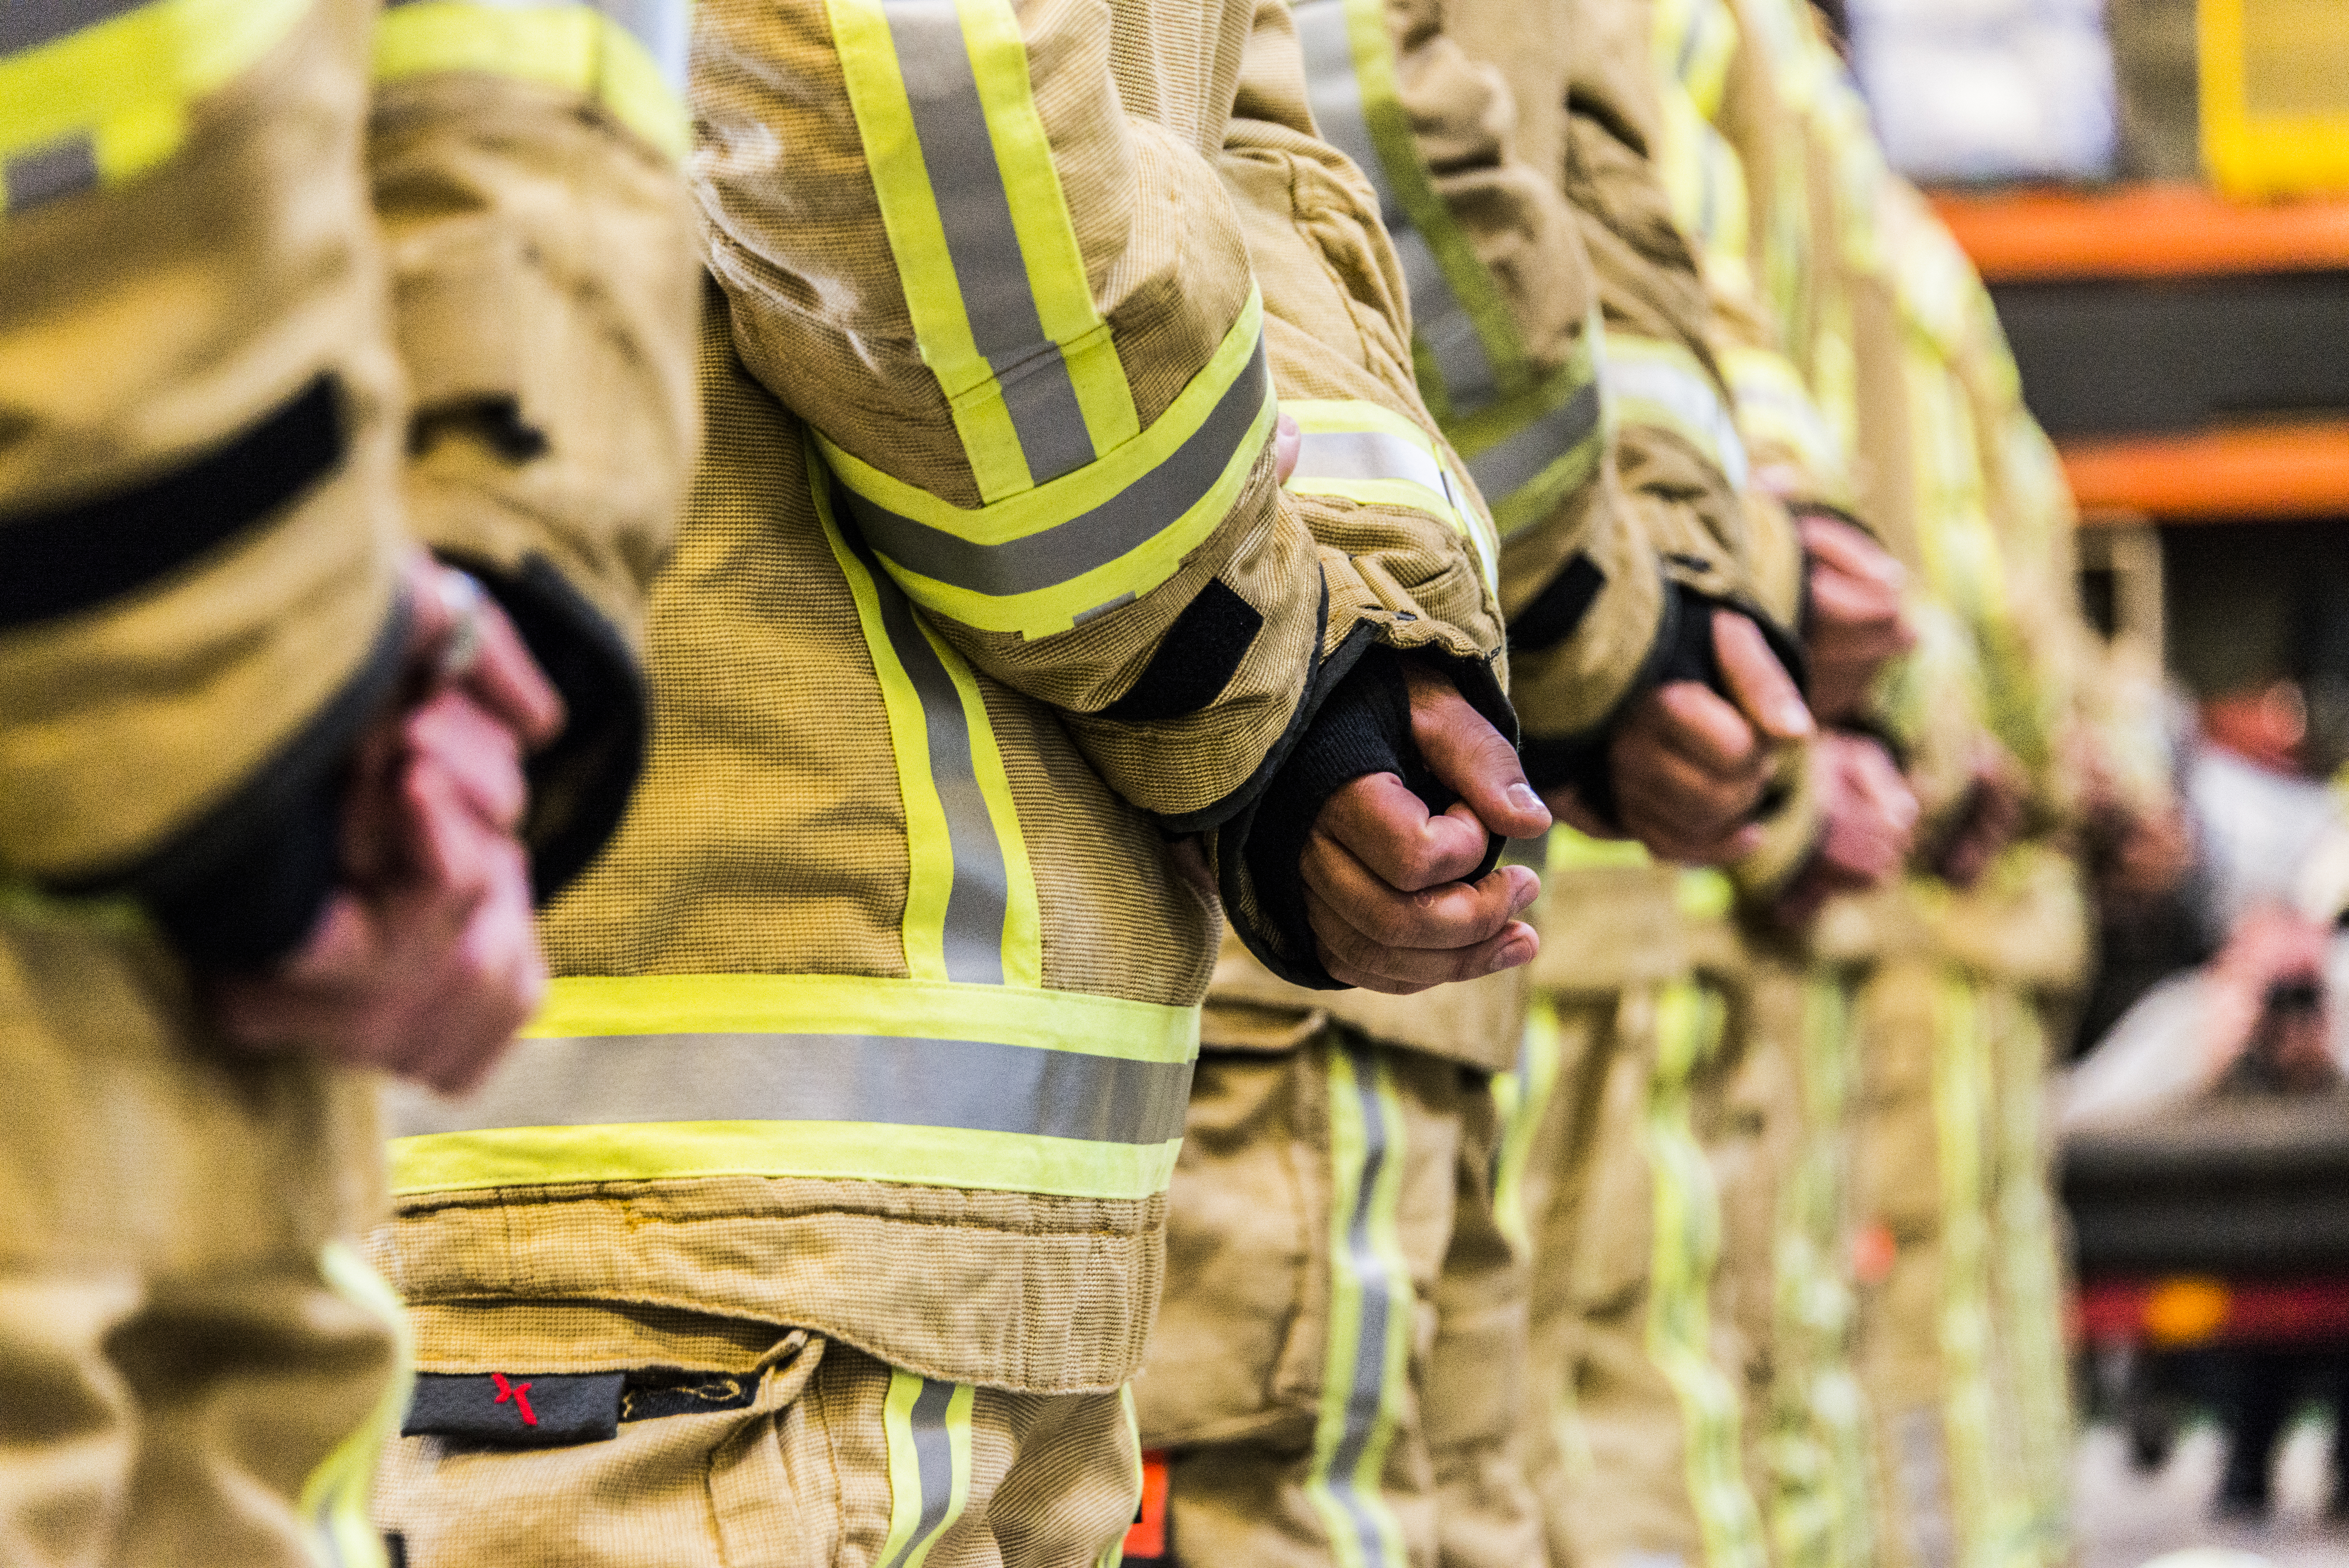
(823, 1211)
(274, 786)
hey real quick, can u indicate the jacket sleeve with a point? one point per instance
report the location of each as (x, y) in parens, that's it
(199, 525)
(1008, 291)
(1407, 548)
(525, 169)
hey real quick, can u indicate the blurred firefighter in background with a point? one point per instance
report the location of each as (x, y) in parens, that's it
(278, 786)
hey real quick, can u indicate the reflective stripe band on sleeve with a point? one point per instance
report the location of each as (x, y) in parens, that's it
(980, 230)
(1774, 409)
(1042, 560)
(1664, 385)
(335, 1498)
(1530, 439)
(1460, 324)
(848, 1077)
(628, 55)
(1374, 456)
(95, 92)
(971, 910)
(1528, 454)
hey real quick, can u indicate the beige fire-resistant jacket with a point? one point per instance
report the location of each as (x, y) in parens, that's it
(877, 1018)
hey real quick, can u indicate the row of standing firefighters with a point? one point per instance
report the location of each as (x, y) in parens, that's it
(920, 502)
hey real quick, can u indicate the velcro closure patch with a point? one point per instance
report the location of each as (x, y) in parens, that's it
(517, 1410)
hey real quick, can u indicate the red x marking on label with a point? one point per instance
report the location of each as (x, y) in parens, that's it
(519, 1393)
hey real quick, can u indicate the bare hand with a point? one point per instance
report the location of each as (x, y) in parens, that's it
(425, 959)
(1691, 766)
(1383, 876)
(1988, 820)
(1867, 822)
(1287, 445)
(1858, 620)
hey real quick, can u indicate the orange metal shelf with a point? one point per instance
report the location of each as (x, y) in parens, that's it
(2143, 231)
(2271, 472)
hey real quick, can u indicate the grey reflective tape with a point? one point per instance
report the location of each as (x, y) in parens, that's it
(65, 168)
(1524, 456)
(1367, 455)
(979, 901)
(933, 1466)
(1366, 1389)
(979, 1086)
(1439, 321)
(1132, 517)
(973, 208)
(29, 23)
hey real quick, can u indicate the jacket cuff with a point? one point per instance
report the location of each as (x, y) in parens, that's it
(242, 887)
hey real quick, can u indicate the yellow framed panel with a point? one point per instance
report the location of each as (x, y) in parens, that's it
(2275, 95)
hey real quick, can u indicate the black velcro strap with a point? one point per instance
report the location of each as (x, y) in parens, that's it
(1556, 612)
(1195, 660)
(516, 1410)
(73, 558)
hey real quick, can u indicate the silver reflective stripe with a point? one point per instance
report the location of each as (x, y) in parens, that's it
(933, 1464)
(663, 26)
(1132, 517)
(975, 208)
(1368, 455)
(660, 26)
(980, 897)
(1687, 397)
(1384, 1291)
(1504, 468)
(1439, 321)
(981, 1086)
(67, 167)
(29, 23)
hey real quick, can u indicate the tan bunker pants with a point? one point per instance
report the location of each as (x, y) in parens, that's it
(1336, 1372)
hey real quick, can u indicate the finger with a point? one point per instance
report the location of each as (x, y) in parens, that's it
(480, 755)
(1756, 679)
(1699, 726)
(1717, 849)
(508, 681)
(1849, 550)
(1454, 914)
(1846, 604)
(1568, 807)
(1388, 829)
(1352, 957)
(1287, 443)
(1474, 759)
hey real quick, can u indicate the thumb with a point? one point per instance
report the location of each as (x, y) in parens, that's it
(1287, 445)
(1474, 759)
(1757, 682)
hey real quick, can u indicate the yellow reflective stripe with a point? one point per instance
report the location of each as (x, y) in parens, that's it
(971, 906)
(1664, 385)
(1372, 1307)
(1774, 409)
(573, 46)
(1703, 893)
(980, 230)
(1040, 561)
(1368, 453)
(1696, 40)
(1523, 1097)
(1961, 1110)
(109, 101)
(1687, 1247)
(925, 1426)
(586, 1006)
(1046, 233)
(1571, 849)
(336, 1496)
(843, 1151)
(2032, 1276)
(1531, 451)
(1820, 1502)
